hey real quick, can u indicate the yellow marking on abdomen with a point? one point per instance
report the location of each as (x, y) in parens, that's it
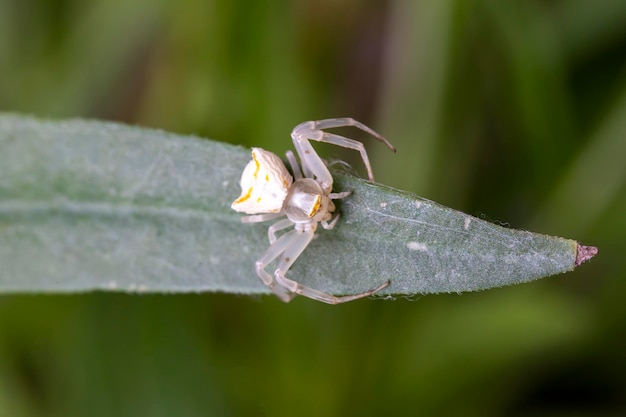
(258, 166)
(244, 197)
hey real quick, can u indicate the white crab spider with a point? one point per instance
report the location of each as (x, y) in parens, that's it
(268, 191)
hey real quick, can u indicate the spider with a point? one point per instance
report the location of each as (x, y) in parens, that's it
(268, 192)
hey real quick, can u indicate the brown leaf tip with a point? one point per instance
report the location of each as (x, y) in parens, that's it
(584, 253)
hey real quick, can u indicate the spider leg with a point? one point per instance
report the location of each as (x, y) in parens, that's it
(279, 225)
(297, 243)
(257, 218)
(274, 251)
(330, 224)
(334, 196)
(313, 130)
(348, 121)
(283, 294)
(324, 296)
(295, 168)
(339, 196)
(313, 163)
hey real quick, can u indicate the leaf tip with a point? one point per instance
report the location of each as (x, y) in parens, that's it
(584, 253)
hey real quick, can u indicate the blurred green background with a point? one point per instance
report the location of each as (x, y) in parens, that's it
(510, 110)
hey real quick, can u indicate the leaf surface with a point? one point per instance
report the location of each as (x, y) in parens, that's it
(87, 205)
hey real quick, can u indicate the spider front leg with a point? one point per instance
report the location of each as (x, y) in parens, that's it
(295, 245)
(279, 225)
(274, 251)
(312, 164)
(330, 224)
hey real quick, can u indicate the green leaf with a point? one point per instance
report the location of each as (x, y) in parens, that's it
(87, 205)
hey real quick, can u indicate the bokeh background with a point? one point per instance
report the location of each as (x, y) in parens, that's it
(511, 110)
